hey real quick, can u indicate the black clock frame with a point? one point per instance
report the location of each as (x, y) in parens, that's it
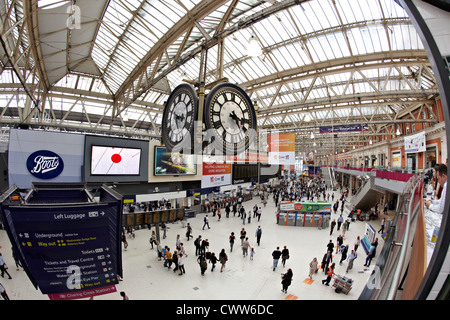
(211, 134)
(183, 88)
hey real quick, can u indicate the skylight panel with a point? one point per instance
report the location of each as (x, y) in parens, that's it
(317, 50)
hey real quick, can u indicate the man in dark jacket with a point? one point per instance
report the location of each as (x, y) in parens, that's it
(276, 254)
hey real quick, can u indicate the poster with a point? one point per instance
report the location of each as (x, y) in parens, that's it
(415, 143)
(282, 148)
(216, 174)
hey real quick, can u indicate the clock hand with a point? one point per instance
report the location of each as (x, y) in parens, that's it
(235, 117)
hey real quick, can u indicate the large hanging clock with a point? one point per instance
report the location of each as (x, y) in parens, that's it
(179, 116)
(230, 118)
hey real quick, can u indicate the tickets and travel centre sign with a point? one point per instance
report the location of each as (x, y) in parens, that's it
(67, 250)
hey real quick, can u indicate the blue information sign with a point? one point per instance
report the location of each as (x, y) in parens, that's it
(67, 248)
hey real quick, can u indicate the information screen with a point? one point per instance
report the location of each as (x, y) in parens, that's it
(68, 249)
(174, 163)
(115, 161)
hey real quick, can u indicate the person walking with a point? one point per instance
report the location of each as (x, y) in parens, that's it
(313, 267)
(252, 253)
(189, 231)
(181, 269)
(339, 242)
(3, 292)
(205, 222)
(286, 280)
(245, 246)
(204, 246)
(164, 229)
(332, 225)
(16, 259)
(284, 255)
(258, 235)
(202, 263)
(339, 222)
(345, 227)
(383, 222)
(370, 256)
(232, 238)
(357, 243)
(124, 296)
(243, 235)
(343, 254)
(152, 238)
(197, 244)
(330, 273)
(177, 242)
(259, 212)
(351, 257)
(159, 250)
(276, 254)
(213, 260)
(223, 258)
(175, 261)
(327, 258)
(330, 246)
(320, 222)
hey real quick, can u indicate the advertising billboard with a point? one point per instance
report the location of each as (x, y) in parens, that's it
(44, 156)
(174, 163)
(282, 148)
(216, 174)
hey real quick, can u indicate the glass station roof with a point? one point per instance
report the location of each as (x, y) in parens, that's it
(320, 61)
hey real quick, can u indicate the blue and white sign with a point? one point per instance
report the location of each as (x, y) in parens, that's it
(62, 162)
(45, 164)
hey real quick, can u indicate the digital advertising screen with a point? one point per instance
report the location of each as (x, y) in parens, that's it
(173, 163)
(115, 160)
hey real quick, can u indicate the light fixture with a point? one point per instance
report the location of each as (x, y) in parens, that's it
(307, 118)
(397, 132)
(353, 146)
(253, 49)
(312, 135)
(370, 141)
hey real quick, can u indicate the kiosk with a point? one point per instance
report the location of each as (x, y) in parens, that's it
(304, 214)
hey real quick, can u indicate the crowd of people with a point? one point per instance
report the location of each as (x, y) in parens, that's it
(299, 190)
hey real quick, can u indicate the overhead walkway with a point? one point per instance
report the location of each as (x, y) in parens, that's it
(377, 184)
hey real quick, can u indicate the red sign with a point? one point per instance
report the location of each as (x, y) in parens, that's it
(82, 294)
(298, 206)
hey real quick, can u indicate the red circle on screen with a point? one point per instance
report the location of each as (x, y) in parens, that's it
(116, 158)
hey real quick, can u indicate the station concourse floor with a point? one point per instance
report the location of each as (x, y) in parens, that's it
(145, 278)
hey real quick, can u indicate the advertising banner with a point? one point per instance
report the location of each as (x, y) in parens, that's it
(216, 174)
(416, 143)
(43, 156)
(282, 148)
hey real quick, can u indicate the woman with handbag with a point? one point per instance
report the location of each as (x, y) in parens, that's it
(286, 280)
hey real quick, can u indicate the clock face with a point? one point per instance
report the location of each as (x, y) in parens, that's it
(179, 116)
(230, 118)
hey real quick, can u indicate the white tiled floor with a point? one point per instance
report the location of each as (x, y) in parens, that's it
(145, 277)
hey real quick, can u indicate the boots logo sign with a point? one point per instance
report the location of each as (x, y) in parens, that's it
(45, 164)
